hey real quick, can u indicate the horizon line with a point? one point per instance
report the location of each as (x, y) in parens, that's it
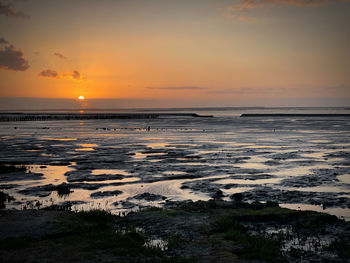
(180, 108)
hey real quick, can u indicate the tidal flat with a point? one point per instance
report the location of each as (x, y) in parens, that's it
(131, 165)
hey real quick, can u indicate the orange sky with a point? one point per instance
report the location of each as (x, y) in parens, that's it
(225, 53)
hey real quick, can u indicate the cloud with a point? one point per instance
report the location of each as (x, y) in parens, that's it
(241, 8)
(73, 75)
(48, 73)
(177, 88)
(59, 55)
(252, 90)
(246, 5)
(3, 41)
(76, 74)
(12, 59)
(8, 10)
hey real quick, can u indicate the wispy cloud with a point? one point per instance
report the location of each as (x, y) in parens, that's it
(178, 88)
(3, 41)
(49, 73)
(241, 10)
(9, 10)
(74, 74)
(10, 58)
(246, 5)
(59, 55)
(251, 90)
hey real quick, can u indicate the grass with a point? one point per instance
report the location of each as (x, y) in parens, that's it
(203, 225)
(253, 247)
(108, 240)
(100, 218)
(341, 247)
(55, 207)
(85, 232)
(309, 221)
(63, 190)
(13, 243)
(175, 241)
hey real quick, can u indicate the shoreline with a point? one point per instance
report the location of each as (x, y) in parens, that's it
(19, 116)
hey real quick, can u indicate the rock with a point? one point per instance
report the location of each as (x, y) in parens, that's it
(105, 194)
(218, 194)
(237, 197)
(149, 197)
(81, 176)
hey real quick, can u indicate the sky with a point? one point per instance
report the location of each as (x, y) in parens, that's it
(174, 53)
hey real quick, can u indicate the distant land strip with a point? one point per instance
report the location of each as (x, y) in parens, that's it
(6, 117)
(294, 115)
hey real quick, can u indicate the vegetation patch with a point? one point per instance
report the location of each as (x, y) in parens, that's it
(216, 231)
(341, 247)
(251, 246)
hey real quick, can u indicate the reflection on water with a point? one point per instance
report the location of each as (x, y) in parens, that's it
(255, 162)
(52, 174)
(84, 149)
(58, 139)
(320, 141)
(317, 155)
(87, 145)
(345, 178)
(156, 145)
(139, 155)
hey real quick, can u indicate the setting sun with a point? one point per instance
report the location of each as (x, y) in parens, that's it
(81, 98)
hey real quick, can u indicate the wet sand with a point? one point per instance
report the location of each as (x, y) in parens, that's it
(302, 163)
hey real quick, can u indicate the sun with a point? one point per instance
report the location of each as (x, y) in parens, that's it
(81, 98)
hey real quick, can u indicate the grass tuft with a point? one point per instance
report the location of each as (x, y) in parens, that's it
(253, 247)
(341, 247)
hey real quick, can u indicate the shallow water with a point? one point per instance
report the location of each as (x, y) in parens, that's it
(181, 158)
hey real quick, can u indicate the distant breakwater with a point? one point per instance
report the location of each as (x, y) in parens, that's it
(7, 117)
(293, 115)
